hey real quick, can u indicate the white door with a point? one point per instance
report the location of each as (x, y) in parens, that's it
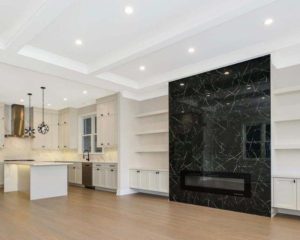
(135, 178)
(285, 193)
(163, 182)
(1, 174)
(153, 180)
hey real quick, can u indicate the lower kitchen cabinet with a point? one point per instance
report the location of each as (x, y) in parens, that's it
(75, 173)
(285, 191)
(105, 175)
(149, 180)
(1, 174)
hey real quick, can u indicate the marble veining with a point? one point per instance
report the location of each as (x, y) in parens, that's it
(220, 122)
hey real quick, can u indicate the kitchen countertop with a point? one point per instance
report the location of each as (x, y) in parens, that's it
(82, 161)
(36, 163)
(286, 175)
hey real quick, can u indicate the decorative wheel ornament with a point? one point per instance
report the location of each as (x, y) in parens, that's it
(43, 128)
(30, 131)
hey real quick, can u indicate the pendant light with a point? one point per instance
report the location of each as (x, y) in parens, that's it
(43, 128)
(30, 131)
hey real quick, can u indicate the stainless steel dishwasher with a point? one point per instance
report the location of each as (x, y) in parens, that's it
(87, 175)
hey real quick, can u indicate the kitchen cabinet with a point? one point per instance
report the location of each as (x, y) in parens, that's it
(285, 193)
(149, 180)
(68, 129)
(2, 125)
(1, 174)
(107, 123)
(105, 175)
(48, 141)
(75, 173)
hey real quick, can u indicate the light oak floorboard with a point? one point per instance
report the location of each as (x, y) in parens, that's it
(89, 214)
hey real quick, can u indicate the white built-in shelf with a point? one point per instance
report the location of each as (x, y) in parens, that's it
(152, 132)
(287, 119)
(287, 147)
(149, 114)
(153, 149)
(286, 90)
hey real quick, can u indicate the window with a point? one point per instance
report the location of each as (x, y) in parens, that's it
(256, 141)
(89, 135)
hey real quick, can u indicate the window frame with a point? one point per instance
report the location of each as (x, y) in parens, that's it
(93, 134)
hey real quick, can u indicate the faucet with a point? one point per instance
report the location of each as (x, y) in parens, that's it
(86, 155)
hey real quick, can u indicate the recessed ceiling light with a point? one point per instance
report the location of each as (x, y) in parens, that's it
(84, 92)
(269, 21)
(65, 99)
(226, 73)
(181, 84)
(49, 104)
(21, 100)
(78, 42)
(128, 10)
(191, 50)
(142, 68)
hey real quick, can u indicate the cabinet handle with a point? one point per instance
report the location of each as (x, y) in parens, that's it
(157, 172)
(101, 115)
(74, 167)
(294, 181)
(111, 170)
(138, 171)
(98, 169)
(101, 144)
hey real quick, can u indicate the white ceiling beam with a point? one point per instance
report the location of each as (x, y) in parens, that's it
(189, 28)
(33, 25)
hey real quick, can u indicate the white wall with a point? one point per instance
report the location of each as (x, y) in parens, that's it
(127, 141)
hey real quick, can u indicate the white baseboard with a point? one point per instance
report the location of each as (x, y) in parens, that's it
(122, 192)
(287, 211)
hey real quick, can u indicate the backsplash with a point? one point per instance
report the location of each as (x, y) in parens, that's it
(20, 148)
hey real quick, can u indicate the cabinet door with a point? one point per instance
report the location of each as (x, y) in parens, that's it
(71, 173)
(135, 178)
(163, 182)
(78, 175)
(1, 174)
(102, 177)
(2, 126)
(110, 178)
(153, 180)
(285, 193)
(144, 180)
(298, 194)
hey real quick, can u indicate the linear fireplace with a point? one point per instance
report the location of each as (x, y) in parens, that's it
(236, 184)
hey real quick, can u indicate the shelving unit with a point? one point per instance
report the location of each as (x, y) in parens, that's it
(159, 131)
(149, 114)
(287, 90)
(153, 149)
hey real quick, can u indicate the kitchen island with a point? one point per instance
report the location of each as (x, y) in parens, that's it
(38, 179)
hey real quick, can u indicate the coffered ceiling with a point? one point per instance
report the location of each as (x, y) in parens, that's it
(96, 43)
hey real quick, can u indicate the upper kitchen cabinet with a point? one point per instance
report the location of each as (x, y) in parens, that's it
(68, 129)
(107, 121)
(49, 140)
(2, 126)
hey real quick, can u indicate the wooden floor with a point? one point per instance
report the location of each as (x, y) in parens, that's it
(86, 214)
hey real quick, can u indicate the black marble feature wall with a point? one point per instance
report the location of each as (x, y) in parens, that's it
(220, 127)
